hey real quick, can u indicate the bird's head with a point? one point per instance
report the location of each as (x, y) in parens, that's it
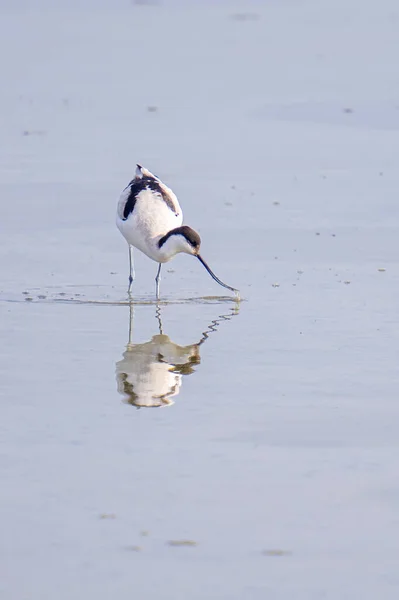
(182, 239)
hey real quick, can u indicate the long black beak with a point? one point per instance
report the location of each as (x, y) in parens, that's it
(214, 276)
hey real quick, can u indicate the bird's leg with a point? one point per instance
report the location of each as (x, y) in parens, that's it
(131, 268)
(158, 279)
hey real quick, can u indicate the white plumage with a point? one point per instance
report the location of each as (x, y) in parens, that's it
(150, 219)
(151, 216)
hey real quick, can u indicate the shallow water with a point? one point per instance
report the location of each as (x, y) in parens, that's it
(267, 465)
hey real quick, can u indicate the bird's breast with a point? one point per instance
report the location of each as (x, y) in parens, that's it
(150, 219)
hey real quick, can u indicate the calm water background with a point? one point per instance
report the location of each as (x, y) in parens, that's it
(277, 124)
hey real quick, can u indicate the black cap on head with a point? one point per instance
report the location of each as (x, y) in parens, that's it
(189, 234)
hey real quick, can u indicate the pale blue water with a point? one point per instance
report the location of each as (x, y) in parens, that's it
(270, 467)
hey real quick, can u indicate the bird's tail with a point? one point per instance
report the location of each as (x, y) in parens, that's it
(143, 172)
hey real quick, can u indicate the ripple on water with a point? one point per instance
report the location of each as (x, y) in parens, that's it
(103, 295)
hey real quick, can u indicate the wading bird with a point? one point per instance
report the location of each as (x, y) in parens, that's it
(150, 219)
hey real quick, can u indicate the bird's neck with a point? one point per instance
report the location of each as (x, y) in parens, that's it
(168, 249)
(171, 244)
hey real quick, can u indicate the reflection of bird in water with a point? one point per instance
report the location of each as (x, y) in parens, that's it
(150, 374)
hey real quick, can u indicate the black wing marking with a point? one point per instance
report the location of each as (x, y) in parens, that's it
(130, 202)
(146, 183)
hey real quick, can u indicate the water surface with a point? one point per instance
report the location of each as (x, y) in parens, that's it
(202, 448)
